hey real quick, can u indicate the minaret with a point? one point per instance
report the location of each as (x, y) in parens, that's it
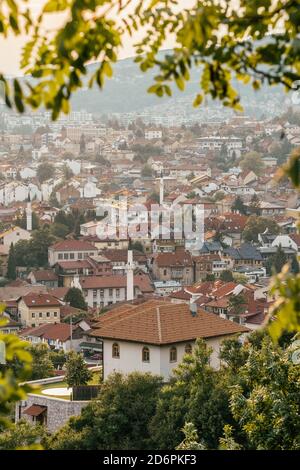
(29, 215)
(161, 189)
(130, 269)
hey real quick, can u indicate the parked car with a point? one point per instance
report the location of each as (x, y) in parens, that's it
(96, 357)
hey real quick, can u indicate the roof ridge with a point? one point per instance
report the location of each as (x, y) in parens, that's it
(158, 324)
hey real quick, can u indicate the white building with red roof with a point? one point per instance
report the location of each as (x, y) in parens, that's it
(154, 336)
(70, 250)
(37, 308)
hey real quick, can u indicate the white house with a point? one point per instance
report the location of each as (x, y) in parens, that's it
(13, 235)
(100, 291)
(154, 336)
(288, 241)
(27, 173)
(153, 134)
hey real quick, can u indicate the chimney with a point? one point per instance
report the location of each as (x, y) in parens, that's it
(193, 308)
(130, 268)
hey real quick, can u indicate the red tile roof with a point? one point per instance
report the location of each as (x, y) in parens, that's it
(103, 282)
(44, 275)
(73, 245)
(40, 300)
(156, 322)
(76, 264)
(179, 258)
(59, 292)
(54, 331)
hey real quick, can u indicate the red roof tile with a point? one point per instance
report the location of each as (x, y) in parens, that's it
(156, 322)
(73, 245)
(40, 300)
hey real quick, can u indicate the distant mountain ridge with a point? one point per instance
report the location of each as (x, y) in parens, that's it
(126, 91)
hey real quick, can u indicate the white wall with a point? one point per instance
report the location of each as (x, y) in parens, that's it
(131, 357)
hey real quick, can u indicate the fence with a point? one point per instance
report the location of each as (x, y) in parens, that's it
(85, 392)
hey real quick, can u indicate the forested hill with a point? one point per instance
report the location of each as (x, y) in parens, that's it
(127, 91)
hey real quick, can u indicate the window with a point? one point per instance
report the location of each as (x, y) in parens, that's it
(94, 293)
(101, 292)
(40, 314)
(146, 355)
(110, 292)
(116, 351)
(55, 314)
(33, 315)
(79, 255)
(117, 292)
(165, 272)
(60, 256)
(72, 256)
(173, 354)
(66, 255)
(48, 314)
(188, 349)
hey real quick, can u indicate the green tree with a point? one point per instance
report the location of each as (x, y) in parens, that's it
(226, 276)
(45, 171)
(236, 304)
(42, 366)
(276, 262)
(239, 206)
(11, 263)
(252, 161)
(118, 419)
(22, 222)
(256, 225)
(75, 298)
(67, 172)
(22, 435)
(146, 171)
(39, 243)
(195, 394)
(265, 400)
(58, 358)
(295, 268)
(254, 204)
(59, 230)
(191, 440)
(138, 246)
(13, 387)
(77, 372)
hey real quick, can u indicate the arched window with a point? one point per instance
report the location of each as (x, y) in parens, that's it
(146, 354)
(188, 348)
(116, 350)
(173, 354)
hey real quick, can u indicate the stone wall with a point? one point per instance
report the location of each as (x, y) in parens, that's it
(58, 410)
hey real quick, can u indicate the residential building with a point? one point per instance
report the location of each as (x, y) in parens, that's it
(70, 250)
(154, 336)
(35, 309)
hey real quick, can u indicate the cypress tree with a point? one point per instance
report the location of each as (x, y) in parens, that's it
(11, 264)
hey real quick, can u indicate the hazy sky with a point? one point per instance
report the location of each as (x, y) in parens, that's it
(11, 47)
